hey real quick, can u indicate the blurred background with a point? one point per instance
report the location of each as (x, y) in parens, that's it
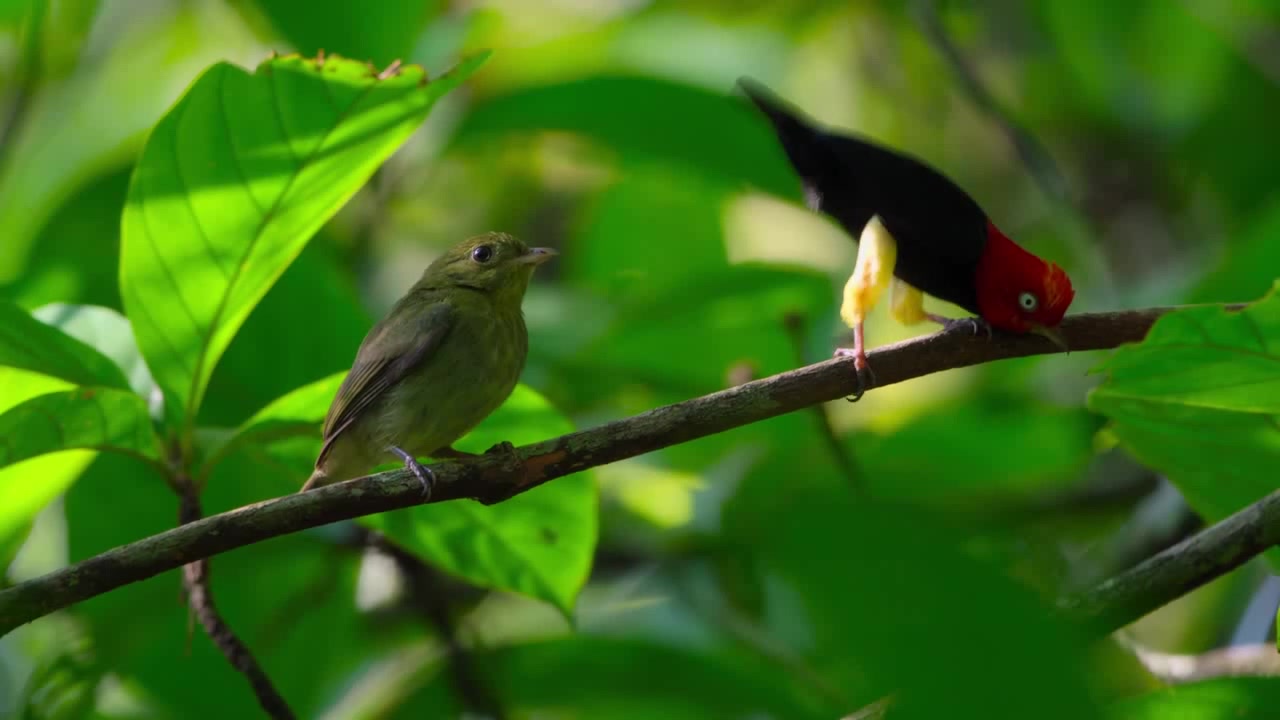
(1134, 143)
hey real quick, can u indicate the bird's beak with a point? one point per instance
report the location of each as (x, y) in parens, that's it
(538, 255)
(1052, 334)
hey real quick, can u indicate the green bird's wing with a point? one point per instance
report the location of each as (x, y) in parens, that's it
(383, 360)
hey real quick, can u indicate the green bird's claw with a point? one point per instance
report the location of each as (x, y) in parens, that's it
(420, 471)
(860, 367)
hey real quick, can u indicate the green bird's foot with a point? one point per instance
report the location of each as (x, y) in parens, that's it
(420, 471)
(976, 325)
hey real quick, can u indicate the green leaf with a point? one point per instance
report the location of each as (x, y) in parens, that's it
(296, 414)
(623, 679)
(107, 332)
(538, 544)
(29, 344)
(1231, 698)
(317, 284)
(92, 418)
(232, 183)
(20, 499)
(1199, 400)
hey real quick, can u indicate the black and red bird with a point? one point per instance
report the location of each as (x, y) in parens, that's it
(918, 231)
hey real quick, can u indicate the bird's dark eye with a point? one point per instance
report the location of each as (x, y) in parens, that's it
(1028, 302)
(482, 253)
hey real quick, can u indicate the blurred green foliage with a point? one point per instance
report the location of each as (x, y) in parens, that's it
(196, 237)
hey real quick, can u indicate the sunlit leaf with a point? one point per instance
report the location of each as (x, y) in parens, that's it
(232, 183)
(29, 344)
(1199, 400)
(539, 543)
(86, 418)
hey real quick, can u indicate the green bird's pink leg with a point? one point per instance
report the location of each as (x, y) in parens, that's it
(420, 471)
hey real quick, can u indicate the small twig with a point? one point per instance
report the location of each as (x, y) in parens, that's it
(1259, 660)
(195, 581)
(429, 596)
(840, 455)
(497, 477)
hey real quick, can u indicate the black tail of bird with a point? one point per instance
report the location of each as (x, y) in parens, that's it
(803, 142)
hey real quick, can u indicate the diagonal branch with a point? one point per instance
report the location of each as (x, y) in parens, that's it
(195, 581)
(499, 476)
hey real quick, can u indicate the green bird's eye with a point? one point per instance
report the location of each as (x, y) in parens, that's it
(482, 254)
(1028, 302)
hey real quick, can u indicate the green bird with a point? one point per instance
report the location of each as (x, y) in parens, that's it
(448, 354)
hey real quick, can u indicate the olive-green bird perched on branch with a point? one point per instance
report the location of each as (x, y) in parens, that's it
(448, 354)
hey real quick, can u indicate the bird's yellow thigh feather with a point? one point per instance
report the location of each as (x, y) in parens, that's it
(872, 273)
(906, 303)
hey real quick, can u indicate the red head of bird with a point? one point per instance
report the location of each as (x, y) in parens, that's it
(1018, 291)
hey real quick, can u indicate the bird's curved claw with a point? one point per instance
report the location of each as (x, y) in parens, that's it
(860, 368)
(420, 471)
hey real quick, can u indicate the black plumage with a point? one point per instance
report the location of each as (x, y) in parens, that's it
(939, 230)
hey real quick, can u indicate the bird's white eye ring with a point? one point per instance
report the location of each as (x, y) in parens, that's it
(1028, 302)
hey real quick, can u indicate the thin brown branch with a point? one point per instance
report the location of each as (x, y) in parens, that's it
(498, 476)
(195, 581)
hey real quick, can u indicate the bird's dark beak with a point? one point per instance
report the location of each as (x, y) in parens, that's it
(1052, 334)
(538, 255)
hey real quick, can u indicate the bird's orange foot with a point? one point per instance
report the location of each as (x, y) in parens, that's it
(976, 325)
(420, 471)
(860, 368)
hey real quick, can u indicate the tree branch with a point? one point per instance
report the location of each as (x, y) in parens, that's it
(195, 581)
(1180, 569)
(499, 476)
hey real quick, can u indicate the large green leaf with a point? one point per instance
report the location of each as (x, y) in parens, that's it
(20, 498)
(296, 414)
(29, 344)
(92, 418)
(623, 679)
(1199, 400)
(232, 183)
(538, 544)
(1230, 698)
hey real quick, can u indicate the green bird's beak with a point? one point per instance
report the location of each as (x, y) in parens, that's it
(538, 255)
(1053, 335)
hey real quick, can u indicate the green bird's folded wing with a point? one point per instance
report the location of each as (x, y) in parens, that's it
(385, 357)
